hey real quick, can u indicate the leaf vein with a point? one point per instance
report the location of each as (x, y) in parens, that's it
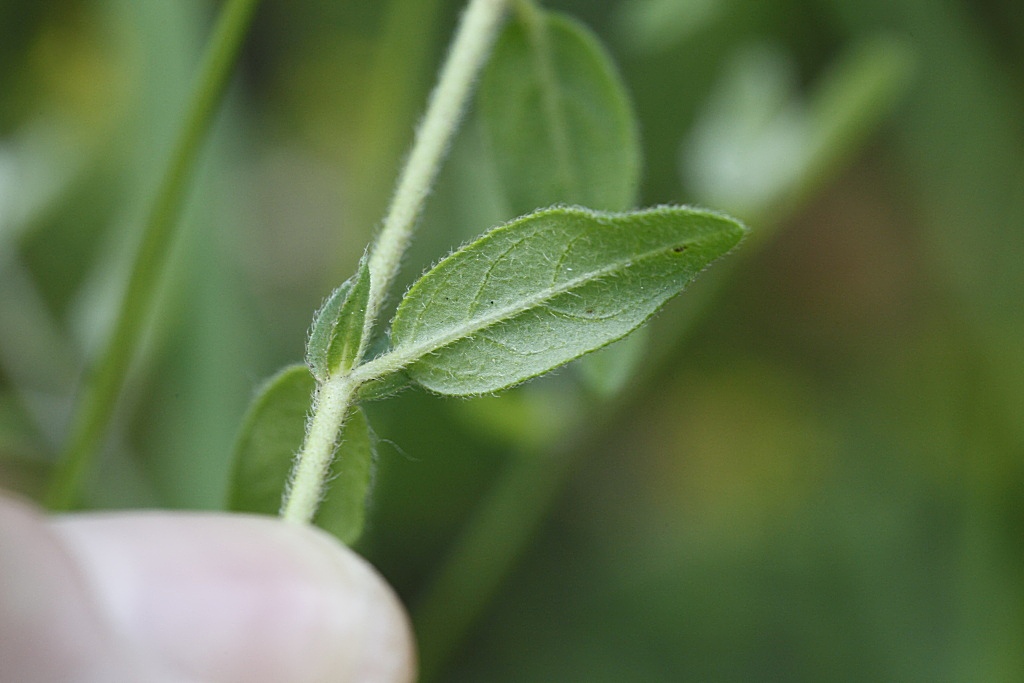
(410, 352)
(477, 297)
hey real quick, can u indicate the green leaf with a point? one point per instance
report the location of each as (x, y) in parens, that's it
(542, 290)
(324, 322)
(649, 27)
(562, 130)
(346, 340)
(558, 118)
(383, 387)
(343, 511)
(271, 433)
(336, 338)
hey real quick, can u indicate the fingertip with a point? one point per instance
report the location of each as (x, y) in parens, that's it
(51, 626)
(243, 598)
(384, 639)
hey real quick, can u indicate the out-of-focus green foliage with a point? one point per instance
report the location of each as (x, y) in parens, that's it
(818, 478)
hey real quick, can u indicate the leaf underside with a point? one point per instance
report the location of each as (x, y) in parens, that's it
(346, 340)
(540, 291)
(271, 433)
(320, 335)
(558, 118)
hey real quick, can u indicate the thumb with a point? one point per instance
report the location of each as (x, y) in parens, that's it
(226, 598)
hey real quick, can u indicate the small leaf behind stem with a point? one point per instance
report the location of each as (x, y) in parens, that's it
(542, 290)
(557, 116)
(343, 510)
(272, 433)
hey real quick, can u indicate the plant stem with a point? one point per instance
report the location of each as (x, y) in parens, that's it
(332, 404)
(104, 382)
(472, 44)
(474, 37)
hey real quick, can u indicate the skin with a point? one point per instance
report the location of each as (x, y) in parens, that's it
(160, 597)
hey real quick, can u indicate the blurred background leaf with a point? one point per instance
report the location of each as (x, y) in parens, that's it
(818, 472)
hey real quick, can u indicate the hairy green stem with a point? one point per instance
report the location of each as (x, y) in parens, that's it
(104, 382)
(332, 405)
(469, 51)
(390, 108)
(470, 48)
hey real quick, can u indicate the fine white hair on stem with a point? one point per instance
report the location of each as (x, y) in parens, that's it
(472, 44)
(470, 48)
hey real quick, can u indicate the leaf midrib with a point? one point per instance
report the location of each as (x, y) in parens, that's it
(400, 357)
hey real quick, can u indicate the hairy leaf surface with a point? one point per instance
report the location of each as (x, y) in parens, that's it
(542, 290)
(335, 339)
(558, 117)
(574, 142)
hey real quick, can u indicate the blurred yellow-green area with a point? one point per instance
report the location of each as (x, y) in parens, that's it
(816, 472)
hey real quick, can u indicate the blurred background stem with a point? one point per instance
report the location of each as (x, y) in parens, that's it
(104, 380)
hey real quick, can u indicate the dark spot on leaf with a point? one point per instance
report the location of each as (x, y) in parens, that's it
(679, 249)
(590, 311)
